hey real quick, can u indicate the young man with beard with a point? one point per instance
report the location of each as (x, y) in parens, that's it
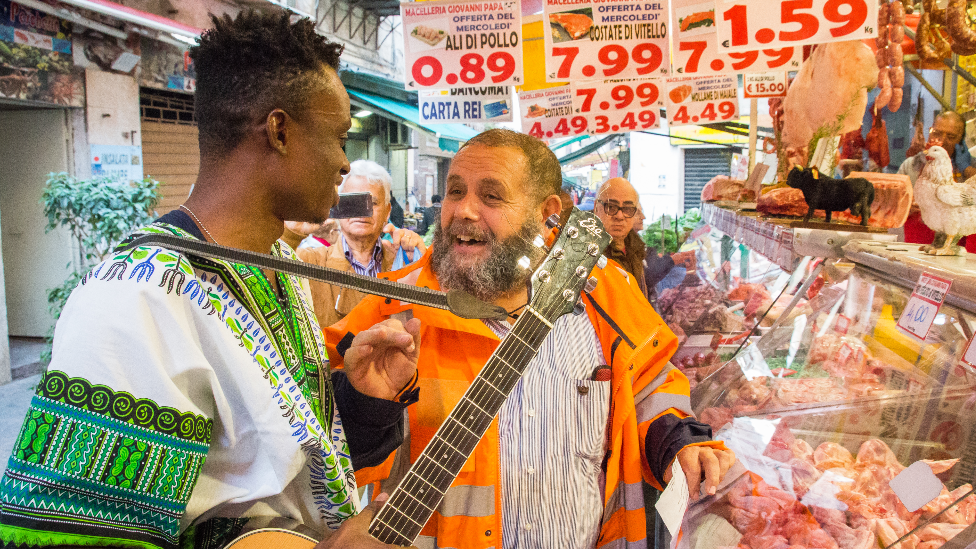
(562, 464)
(189, 398)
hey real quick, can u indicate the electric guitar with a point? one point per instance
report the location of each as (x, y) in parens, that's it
(554, 290)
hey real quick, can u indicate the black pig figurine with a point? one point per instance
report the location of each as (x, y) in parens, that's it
(832, 195)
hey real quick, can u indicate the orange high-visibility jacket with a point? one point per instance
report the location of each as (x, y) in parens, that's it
(635, 343)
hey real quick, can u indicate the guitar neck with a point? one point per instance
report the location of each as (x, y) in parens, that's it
(400, 521)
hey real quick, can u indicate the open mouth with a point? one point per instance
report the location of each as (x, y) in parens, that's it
(468, 241)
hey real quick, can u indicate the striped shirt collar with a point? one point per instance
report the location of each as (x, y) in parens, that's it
(375, 265)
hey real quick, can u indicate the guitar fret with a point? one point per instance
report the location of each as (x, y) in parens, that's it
(490, 384)
(443, 440)
(512, 334)
(428, 483)
(540, 317)
(407, 492)
(439, 465)
(378, 518)
(505, 362)
(475, 404)
(463, 427)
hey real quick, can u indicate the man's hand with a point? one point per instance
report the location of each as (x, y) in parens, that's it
(383, 359)
(411, 242)
(699, 461)
(353, 535)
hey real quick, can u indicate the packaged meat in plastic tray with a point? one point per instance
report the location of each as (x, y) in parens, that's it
(824, 411)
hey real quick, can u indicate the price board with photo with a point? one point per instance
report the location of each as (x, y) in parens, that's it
(612, 106)
(696, 51)
(462, 44)
(466, 105)
(748, 26)
(602, 39)
(702, 100)
(548, 113)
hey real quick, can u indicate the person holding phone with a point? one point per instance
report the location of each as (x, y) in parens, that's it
(366, 245)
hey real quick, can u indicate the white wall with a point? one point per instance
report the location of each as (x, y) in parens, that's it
(656, 172)
(5, 374)
(34, 143)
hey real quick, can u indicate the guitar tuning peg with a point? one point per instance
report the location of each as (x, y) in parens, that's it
(538, 241)
(580, 307)
(602, 262)
(524, 262)
(590, 284)
(553, 221)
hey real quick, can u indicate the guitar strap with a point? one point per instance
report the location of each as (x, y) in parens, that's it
(460, 303)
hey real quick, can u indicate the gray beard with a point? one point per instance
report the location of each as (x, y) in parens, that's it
(498, 275)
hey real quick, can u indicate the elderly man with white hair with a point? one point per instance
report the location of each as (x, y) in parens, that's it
(361, 248)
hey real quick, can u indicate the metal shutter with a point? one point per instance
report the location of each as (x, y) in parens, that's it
(701, 165)
(170, 149)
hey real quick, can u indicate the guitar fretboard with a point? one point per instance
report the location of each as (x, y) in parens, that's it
(400, 521)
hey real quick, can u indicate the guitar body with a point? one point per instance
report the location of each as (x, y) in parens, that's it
(272, 538)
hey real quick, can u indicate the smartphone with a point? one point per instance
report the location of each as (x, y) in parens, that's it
(352, 205)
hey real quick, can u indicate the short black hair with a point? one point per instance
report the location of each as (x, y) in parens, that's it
(250, 65)
(436, 199)
(545, 176)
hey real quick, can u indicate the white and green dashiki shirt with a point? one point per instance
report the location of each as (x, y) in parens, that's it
(182, 402)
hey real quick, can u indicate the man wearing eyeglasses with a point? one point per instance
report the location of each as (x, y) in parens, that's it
(616, 205)
(948, 131)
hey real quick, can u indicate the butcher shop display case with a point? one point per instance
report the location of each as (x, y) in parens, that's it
(839, 418)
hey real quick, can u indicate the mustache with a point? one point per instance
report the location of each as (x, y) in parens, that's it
(468, 228)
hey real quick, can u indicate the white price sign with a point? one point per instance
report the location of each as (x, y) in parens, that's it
(596, 39)
(696, 51)
(464, 44)
(548, 113)
(764, 84)
(612, 106)
(702, 100)
(752, 25)
(919, 313)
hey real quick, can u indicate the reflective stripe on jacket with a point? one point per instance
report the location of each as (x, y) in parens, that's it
(635, 343)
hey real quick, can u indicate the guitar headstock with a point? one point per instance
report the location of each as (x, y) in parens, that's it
(556, 285)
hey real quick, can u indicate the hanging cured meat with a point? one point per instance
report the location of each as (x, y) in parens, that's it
(891, 74)
(877, 142)
(830, 90)
(963, 36)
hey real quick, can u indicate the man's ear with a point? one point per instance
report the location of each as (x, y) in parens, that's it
(277, 126)
(551, 205)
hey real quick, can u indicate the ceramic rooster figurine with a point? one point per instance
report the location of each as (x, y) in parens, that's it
(947, 207)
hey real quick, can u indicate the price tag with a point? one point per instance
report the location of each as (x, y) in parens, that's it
(612, 106)
(466, 105)
(702, 100)
(696, 51)
(923, 305)
(749, 26)
(464, 44)
(969, 357)
(599, 39)
(674, 500)
(548, 113)
(764, 84)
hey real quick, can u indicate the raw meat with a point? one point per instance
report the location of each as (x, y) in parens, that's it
(722, 187)
(831, 87)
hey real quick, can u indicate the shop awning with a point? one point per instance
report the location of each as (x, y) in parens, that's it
(450, 136)
(576, 155)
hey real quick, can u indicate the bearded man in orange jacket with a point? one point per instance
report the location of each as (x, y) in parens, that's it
(561, 465)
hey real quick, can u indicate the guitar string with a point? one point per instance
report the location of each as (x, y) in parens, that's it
(409, 509)
(448, 432)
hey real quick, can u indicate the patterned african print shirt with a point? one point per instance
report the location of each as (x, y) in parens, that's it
(182, 402)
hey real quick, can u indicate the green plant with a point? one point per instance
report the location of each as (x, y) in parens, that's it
(669, 240)
(98, 213)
